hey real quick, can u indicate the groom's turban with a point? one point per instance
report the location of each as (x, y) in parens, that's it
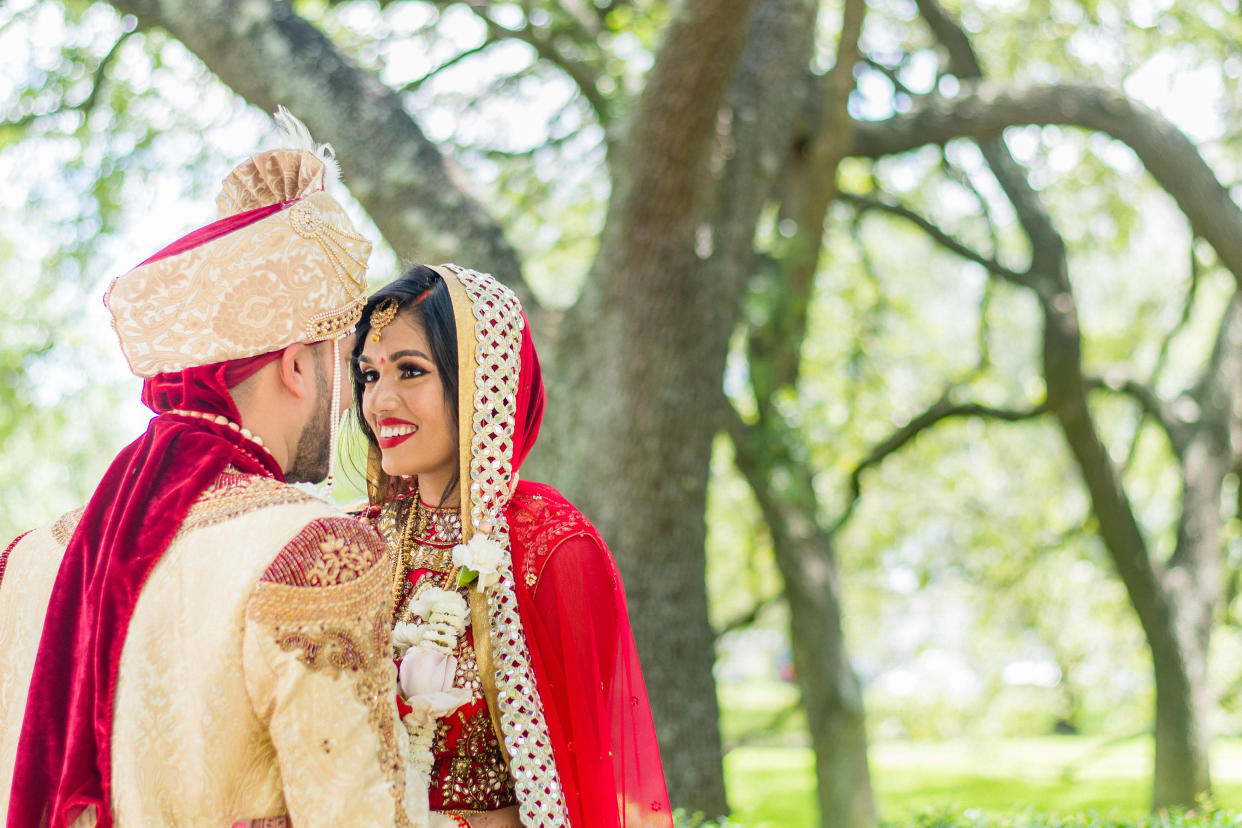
(283, 264)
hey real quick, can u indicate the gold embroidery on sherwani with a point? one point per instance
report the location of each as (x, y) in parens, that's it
(325, 555)
(233, 494)
(325, 600)
(62, 529)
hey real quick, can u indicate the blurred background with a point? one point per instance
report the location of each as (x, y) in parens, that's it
(893, 345)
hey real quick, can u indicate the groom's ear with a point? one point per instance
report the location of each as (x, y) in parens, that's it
(296, 370)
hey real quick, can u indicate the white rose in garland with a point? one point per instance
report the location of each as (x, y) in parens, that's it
(479, 559)
(426, 650)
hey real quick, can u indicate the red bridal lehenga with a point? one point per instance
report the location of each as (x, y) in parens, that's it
(558, 719)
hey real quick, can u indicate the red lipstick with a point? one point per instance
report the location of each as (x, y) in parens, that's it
(393, 422)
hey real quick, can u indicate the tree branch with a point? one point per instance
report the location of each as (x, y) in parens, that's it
(964, 180)
(940, 236)
(891, 73)
(417, 83)
(586, 79)
(1166, 344)
(939, 411)
(985, 110)
(1176, 429)
(87, 104)
(749, 617)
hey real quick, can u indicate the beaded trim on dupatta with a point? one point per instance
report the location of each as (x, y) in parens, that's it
(489, 327)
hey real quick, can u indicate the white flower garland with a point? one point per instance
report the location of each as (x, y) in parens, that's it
(420, 723)
(444, 613)
(428, 667)
(480, 558)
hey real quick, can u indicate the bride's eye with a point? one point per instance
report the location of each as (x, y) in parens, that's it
(410, 370)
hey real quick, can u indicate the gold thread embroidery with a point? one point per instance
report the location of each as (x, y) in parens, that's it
(63, 528)
(333, 648)
(234, 494)
(344, 628)
(327, 552)
(471, 773)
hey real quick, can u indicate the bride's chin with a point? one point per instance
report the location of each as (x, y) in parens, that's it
(390, 466)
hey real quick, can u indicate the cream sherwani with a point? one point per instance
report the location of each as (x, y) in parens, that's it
(256, 678)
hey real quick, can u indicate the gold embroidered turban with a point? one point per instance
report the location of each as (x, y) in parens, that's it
(283, 264)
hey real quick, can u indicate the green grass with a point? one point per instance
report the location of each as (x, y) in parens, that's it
(773, 787)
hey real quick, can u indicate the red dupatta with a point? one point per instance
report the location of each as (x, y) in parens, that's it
(64, 755)
(581, 646)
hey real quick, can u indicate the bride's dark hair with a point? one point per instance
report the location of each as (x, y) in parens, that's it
(422, 297)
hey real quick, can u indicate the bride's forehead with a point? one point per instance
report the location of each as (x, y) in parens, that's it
(405, 332)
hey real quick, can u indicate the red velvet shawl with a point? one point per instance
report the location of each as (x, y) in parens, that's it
(581, 646)
(64, 757)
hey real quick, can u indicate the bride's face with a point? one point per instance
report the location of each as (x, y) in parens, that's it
(403, 402)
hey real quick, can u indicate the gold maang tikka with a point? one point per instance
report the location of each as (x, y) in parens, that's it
(382, 316)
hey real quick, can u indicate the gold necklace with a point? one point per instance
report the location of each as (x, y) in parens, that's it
(415, 526)
(410, 538)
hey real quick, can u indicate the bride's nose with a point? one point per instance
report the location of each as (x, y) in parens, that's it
(382, 399)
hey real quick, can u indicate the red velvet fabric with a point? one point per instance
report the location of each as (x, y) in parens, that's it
(582, 648)
(64, 753)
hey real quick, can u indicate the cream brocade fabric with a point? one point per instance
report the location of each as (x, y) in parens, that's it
(295, 276)
(256, 678)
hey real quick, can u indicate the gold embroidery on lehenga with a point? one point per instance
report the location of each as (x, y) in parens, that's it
(475, 776)
(343, 628)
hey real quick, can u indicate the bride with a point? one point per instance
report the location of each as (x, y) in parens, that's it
(509, 609)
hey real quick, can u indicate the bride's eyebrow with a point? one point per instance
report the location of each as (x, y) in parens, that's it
(408, 352)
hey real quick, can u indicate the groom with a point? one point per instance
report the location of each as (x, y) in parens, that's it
(203, 643)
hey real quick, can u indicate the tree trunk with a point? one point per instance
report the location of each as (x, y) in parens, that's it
(766, 452)
(635, 403)
(830, 691)
(1183, 705)
(1181, 775)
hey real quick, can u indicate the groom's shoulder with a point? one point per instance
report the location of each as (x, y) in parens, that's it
(330, 550)
(42, 543)
(234, 495)
(310, 543)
